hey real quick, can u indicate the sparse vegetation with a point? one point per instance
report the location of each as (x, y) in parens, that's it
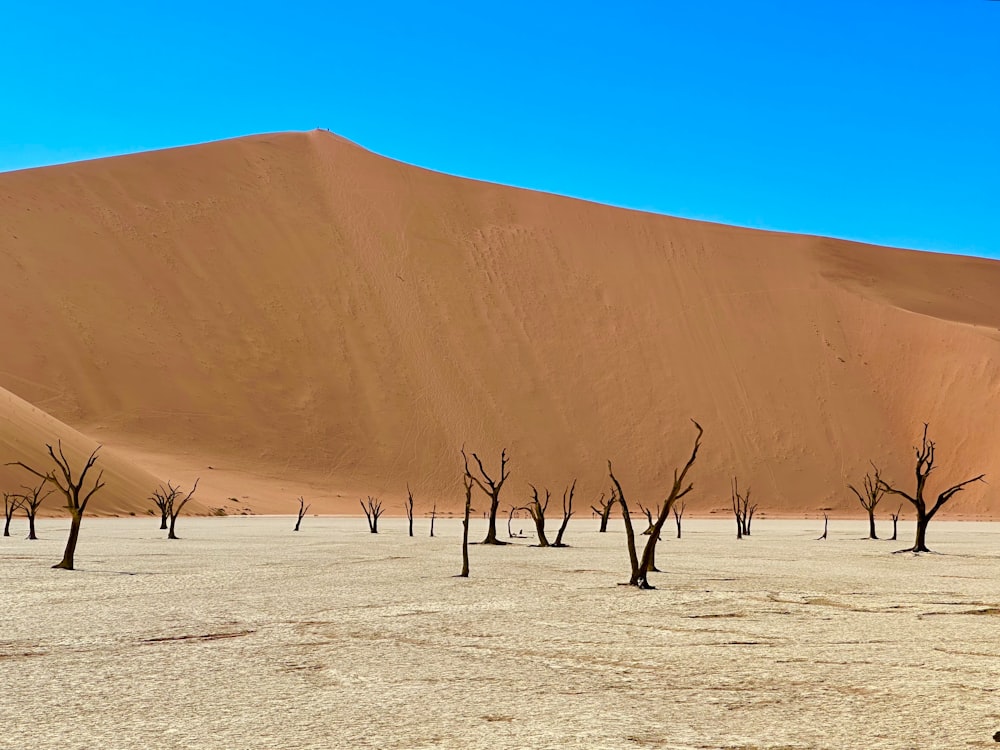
(373, 510)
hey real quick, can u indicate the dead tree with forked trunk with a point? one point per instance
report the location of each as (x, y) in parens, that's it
(373, 509)
(510, 521)
(895, 522)
(177, 504)
(743, 510)
(492, 489)
(603, 508)
(303, 509)
(408, 506)
(641, 566)
(467, 480)
(650, 522)
(30, 501)
(924, 466)
(76, 499)
(873, 493)
(11, 503)
(536, 509)
(567, 509)
(678, 516)
(161, 501)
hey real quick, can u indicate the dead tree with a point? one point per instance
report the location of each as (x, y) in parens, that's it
(408, 506)
(434, 511)
(924, 466)
(467, 481)
(743, 510)
(161, 501)
(872, 495)
(678, 515)
(603, 508)
(72, 489)
(303, 509)
(492, 489)
(826, 526)
(11, 503)
(895, 521)
(642, 566)
(30, 500)
(567, 509)
(536, 509)
(176, 506)
(373, 509)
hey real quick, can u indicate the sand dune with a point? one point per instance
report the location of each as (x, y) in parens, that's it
(306, 317)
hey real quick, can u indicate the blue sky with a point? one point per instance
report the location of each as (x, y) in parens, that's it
(876, 120)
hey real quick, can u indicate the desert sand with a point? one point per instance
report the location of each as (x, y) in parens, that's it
(244, 634)
(291, 314)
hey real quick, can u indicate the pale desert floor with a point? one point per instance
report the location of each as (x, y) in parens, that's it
(246, 635)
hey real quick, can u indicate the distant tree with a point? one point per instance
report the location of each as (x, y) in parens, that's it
(303, 509)
(30, 501)
(11, 503)
(603, 508)
(924, 466)
(161, 500)
(433, 516)
(76, 499)
(373, 509)
(678, 516)
(650, 523)
(467, 481)
(895, 521)
(408, 507)
(177, 505)
(567, 509)
(872, 495)
(492, 489)
(642, 566)
(826, 526)
(742, 509)
(536, 509)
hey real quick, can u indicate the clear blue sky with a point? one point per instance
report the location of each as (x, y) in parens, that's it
(876, 120)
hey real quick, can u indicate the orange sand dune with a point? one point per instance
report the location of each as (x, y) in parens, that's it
(306, 317)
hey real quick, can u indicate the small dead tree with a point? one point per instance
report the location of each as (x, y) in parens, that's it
(467, 481)
(567, 509)
(603, 508)
(826, 526)
(743, 510)
(434, 511)
(11, 503)
(492, 489)
(536, 509)
(408, 506)
(76, 499)
(895, 522)
(161, 500)
(924, 466)
(678, 516)
(176, 506)
(373, 509)
(303, 509)
(873, 493)
(30, 501)
(642, 566)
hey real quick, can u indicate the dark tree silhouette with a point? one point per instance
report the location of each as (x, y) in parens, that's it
(872, 495)
(373, 509)
(536, 509)
(567, 509)
(678, 516)
(434, 511)
(161, 500)
(826, 526)
(30, 501)
(924, 466)
(895, 522)
(467, 480)
(743, 510)
(650, 523)
(76, 499)
(492, 489)
(176, 506)
(642, 566)
(303, 509)
(11, 503)
(603, 508)
(408, 505)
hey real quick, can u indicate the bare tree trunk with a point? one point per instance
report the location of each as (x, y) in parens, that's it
(895, 522)
(163, 520)
(603, 509)
(433, 516)
(920, 543)
(537, 512)
(409, 508)
(303, 508)
(74, 534)
(465, 522)
(492, 489)
(678, 516)
(31, 526)
(871, 525)
(826, 524)
(567, 507)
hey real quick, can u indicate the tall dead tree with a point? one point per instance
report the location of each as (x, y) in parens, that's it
(567, 509)
(826, 527)
(30, 502)
(895, 522)
(76, 499)
(743, 510)
(603, 508)
(873, 493)
(303, 509)
(536, 509)
(641, 566)
(373, 509)
(467, 481)
(434, 511)
(177, 505)
(408, 506)
(11, 503)
(924, 466)
(492, 489)
(678, 516)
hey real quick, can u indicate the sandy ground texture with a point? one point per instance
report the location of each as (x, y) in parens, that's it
(291, 314)
(244, 634)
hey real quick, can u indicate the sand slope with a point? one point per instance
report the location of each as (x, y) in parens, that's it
(307, 317)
